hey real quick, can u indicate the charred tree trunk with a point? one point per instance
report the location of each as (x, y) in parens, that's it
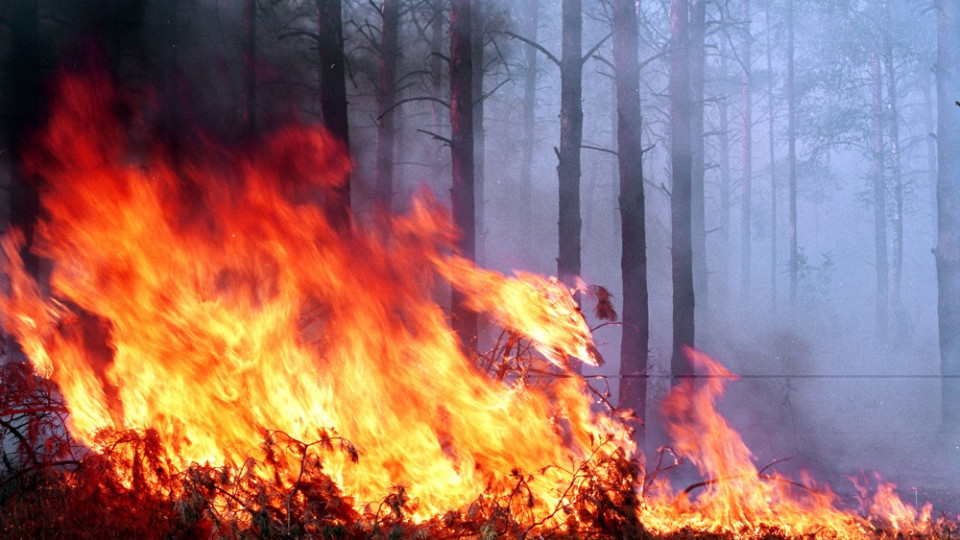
(633, 258)
(746, 206)
(462, 156)
(531, 20)
(248, 111)
(571, 136)
(387, 97)
(948, 206)
(879, 201)
(792, 155)
(680, 200)
(698, 14)
(893, 124)
(333, 98)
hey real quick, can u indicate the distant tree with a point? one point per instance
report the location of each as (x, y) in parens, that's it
(698, 14)
(879, 198)
(746, 183)
(681, 162)
(462, 155)
(333, 96)
(633, 259)
(893, 129)
(948, 206)
(794, 261)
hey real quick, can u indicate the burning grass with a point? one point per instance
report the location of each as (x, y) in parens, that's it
(211, 358)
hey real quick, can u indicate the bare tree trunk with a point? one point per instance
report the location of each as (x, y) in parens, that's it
(387, 96)
(479, 144)
(723, 108)
(879, 200)
(333, 97)
(896, 301)
(462, 156)
(248, 111)
(773, 166)
(792, 154)
(698, 14)
(531, 20)
(633, 259)
(680, 203)
(948, 207)
(571, 136)
(746, 207)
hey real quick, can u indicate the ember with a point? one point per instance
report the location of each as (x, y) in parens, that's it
(223, 350)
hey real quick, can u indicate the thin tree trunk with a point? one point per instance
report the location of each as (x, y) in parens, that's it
(680, 207)
(479, 144)
(879, 201)
(772, 144)
(896, 302)
(948, 207)
(531, 25)
(746, 207)
(249, 106)
(571, 136)
(723, 108)
(698, 14)
(386, 96)
(462, 156)
(633, 259)
(333, 97)
(792, 155)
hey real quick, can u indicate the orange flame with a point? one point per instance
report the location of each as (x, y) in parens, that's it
(210, 302)
(229, 309)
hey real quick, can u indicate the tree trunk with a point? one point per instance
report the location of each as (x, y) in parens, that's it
(771, 143)
(462, 156)
(896, 302)
(479, 148)
(698, 14)
(633, 258)
(387, 97)
(248, 111)
(531, 20)
(680, 207)
(333, 98)
(879, 201)
(723, 108)
(948, 207)
(571, 135)
(792, 155)
(746, 207)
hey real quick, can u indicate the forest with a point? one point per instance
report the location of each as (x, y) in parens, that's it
(773, 183)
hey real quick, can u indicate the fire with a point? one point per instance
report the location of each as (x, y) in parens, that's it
(228, 308)
(207, 303)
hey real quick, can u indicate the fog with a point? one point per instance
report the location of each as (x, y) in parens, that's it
(822, 383)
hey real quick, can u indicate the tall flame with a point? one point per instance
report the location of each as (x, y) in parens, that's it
(208, 302)
(205, 301)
